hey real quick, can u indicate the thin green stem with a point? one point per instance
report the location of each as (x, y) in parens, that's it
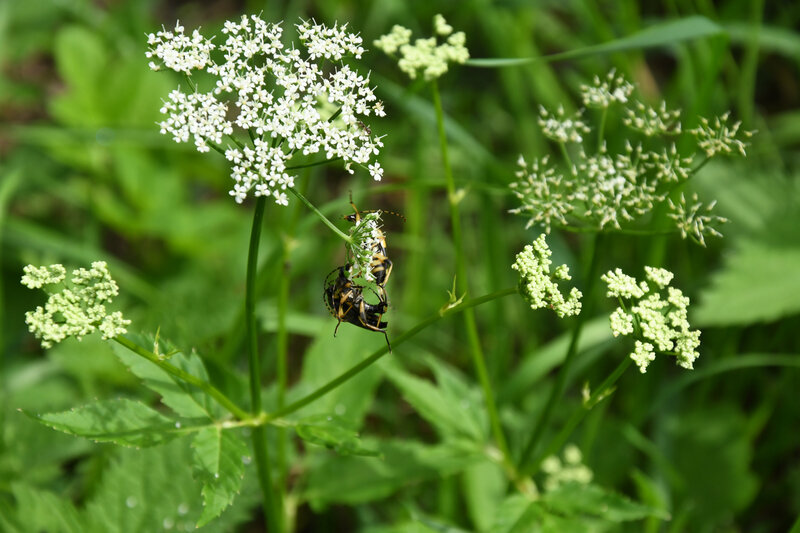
(478, 359)
(313, 208)
(565, 154)
(272, 508)
(375, 356)
(561, 380)
(602, 129)
(577, 417)
(314, 164)
(172, 370)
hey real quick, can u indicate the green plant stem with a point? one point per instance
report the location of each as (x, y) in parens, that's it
(272, 512)
(602, 129)
(172, 370)
(561, 380)
(375, 356)
(603, 390)
(314, 164)
(322, 217)
(478, 359)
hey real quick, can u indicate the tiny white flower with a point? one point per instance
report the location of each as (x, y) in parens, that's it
(284, 97)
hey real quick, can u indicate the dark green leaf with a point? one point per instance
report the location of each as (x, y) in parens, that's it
(354, 479)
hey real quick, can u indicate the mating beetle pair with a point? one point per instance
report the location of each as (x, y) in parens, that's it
(345, 299)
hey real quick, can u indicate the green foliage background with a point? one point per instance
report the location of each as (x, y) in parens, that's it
(85, 175)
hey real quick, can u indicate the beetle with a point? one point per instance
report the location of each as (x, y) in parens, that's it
(380, 264)
(345, 301)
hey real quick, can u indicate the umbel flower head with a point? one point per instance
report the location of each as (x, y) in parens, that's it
(77, 308)
(604, 188)
(571, 470)
(289, 99)
(538, 285)
(425, 55)
(658, 324)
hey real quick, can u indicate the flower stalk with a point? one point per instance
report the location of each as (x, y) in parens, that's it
(478, 358)
(271, 499)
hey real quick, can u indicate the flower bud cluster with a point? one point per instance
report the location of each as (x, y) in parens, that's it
(658, 323)
(425, 55)
(571, 470)
(281, 96)
(601, 189)
(78, 308)
(538, 285)
(367, 237)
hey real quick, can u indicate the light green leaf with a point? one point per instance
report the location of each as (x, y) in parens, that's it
(452, 407)
(218, 462)
(329, 357)
(125, 422)
(760, 282)
(332, 432)
(186, 400)
(577, 499)
(484, 487)
(663, 34)
(41, 510)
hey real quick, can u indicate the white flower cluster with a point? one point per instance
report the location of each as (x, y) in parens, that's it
(604, 92)
(77, 309)
(285, 100)
(719, 137)
(600, 189)
(560, 128)
(366, 235)
(658, 324)
(695, 220)
(652, 121)
(425, 55)
(538, 286)
(571, 470)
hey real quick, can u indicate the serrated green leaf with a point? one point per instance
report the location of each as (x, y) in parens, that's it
(153, 490)
(218, 462)
(760, 282)
(665, 33)
(41, 510)
(124, 422)
(332, 432)
(484, 487)
(577, 499)
(186, 400)
(452, 407)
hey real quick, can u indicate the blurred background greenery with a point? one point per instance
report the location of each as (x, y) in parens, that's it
(85, 175)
